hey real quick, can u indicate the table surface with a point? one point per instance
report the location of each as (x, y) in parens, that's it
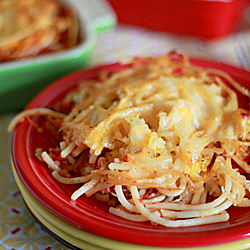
(18, 229)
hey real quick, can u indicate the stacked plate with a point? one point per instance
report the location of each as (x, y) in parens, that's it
(86, 223)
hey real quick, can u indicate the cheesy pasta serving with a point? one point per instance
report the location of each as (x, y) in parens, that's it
(160, 141)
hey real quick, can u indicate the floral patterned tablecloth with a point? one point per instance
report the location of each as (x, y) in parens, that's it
(18, 229)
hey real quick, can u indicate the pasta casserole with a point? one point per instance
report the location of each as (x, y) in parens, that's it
(160, 141)
(32, 27)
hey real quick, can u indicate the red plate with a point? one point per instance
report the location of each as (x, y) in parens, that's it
(91, 215)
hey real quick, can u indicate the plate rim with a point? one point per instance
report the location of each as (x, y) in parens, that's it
(52, 222)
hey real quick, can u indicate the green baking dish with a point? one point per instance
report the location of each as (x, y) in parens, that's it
(21, 80)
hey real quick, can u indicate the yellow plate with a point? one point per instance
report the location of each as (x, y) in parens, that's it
(86, 240)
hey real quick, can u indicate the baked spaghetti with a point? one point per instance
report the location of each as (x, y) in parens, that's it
(160, 141)
(33, 27)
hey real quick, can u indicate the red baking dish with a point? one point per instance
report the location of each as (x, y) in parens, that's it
(89, 214)
(203, 18)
